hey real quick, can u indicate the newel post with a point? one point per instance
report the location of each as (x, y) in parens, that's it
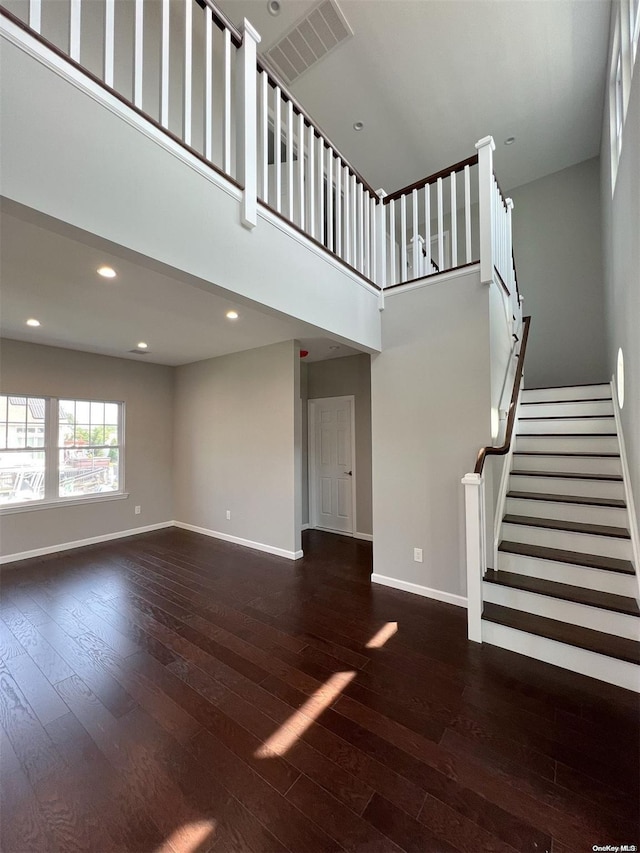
(381, 248)
(485, 148)
(247, 124)
(476, 551)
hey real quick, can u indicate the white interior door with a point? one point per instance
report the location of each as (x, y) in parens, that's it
(333, 474)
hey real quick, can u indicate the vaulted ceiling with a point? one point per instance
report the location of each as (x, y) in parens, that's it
(428, 78)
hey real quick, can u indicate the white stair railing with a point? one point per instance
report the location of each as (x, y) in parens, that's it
(305, 179)
(140, 50)
(477, 547)
(430, 225)
(186, 68)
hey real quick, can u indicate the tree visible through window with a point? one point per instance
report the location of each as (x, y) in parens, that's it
(88, 447)
(54, 449)
(22, 457)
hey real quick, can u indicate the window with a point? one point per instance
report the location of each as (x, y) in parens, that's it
(57, 450)
(618, 103)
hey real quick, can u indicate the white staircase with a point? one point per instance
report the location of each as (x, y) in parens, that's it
(564, 589)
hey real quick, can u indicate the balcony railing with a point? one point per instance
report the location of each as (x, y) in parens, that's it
(187, 69)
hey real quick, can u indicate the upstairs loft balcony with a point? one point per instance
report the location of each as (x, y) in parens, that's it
(194, 84)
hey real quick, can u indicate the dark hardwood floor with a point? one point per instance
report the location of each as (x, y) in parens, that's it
(174, 693)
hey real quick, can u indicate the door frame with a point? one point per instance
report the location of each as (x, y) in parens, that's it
(311, 461)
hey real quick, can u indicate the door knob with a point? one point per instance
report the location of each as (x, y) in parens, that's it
(350, 473)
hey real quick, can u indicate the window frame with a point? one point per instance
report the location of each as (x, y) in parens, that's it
(51, 450)
(634, 30)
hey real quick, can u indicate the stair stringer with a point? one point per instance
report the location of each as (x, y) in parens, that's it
(628, 494)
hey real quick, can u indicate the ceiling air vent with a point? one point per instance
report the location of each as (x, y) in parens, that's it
(309, 40)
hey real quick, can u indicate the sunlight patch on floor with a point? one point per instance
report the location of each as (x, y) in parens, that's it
(291, 731)
(385, 633)
(189, 837)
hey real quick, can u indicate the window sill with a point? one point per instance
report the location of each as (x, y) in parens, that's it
(31, 506)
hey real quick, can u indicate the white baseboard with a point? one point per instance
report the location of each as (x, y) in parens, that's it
(416, 589)
(237, 540)
(368, 537)
(81, 543)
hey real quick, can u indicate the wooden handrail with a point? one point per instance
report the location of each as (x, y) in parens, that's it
(221, 21)
(504, 448)
(443, 173)
(275, 80)
(515, 272)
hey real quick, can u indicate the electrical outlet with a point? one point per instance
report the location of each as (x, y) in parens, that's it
(228, 515)
(137, 510)
(417, 555)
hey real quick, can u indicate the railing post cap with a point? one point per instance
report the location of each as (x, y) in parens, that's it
(509, 203)
(472, 479)
(247, 29)
(486, 140)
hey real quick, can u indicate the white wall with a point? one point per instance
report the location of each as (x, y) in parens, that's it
(430, 395)
(621, 238)
(340, 377)
(235, 445)
(557, 247)
(147, 393)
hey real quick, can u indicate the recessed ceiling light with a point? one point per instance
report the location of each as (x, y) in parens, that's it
(33, 322)
(358, 125)
(231, 315)
(509, 140)
(274, 7)
(142, 345)
(106, 272)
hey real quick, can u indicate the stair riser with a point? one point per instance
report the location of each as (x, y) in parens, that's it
(611, 670)
(583, 543)
(570, 444)
(567, 512)
(613, 582)
(568, 464)
(575, 392)
(567, 486)
(605, 407)
(618, 624)
(584, 426)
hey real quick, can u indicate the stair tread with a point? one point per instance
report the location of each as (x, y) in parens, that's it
(579, 385)
(569, 499)
(558, 555)
(570, 475)
(566, 453)
(564, 417)
(566, 592)
(567, 434)
(570, 526)
(609, 645)
(566, 402)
